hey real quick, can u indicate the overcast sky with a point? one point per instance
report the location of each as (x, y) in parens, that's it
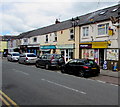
(18, 16)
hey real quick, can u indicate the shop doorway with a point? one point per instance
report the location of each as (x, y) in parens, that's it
(101, 57)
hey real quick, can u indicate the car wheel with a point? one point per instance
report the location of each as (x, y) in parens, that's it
(47, 66)
(62, 70)
(11, 60)
(37, 65)
(81, 73)
(25, 63)
(19, 62)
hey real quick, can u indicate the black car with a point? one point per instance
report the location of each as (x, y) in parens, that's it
(81, 67)
(50, 60)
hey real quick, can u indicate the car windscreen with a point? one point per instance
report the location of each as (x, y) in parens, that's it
(15, 54)
(31, 55)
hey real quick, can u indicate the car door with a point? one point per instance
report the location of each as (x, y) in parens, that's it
(79, 65)
(71, 66)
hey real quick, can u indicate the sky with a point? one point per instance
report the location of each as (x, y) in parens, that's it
(18, 16)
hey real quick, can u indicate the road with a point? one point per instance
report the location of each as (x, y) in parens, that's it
(28, 85)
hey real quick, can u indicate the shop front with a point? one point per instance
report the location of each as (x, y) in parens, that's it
(113, 59)
(50, 49)
(33, 49)
(67, 51)
(94, 50)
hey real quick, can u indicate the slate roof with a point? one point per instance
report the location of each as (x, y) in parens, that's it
(7, 37)
(84, 19)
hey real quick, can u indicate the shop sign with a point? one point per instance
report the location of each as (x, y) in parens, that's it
(86, 46)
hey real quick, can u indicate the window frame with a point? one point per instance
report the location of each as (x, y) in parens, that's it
(71, 34)
(46, 38)
(35, 39)
(106, 27)
(55, 37)
(85, 31)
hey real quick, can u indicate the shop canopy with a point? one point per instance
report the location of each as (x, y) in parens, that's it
(48, 47)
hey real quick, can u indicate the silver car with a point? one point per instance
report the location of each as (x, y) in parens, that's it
(13, 56)
(27, 58)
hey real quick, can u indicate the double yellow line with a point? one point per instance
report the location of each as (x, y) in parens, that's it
(6, 100)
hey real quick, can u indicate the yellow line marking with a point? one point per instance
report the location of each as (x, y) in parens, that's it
(4, 101)
(11, 101)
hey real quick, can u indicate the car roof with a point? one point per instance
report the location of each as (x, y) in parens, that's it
(28, 53)
(13, 52)
(83, 59)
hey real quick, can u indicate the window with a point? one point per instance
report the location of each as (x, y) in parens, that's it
(71, 34)
(103, 12)
(25, 40)
(103, 29)
(85, 31)
(55, 36)
(73, 62)
(34, 39)
(114, 9)
(46, 38)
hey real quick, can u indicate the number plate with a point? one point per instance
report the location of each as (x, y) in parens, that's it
(94, 68)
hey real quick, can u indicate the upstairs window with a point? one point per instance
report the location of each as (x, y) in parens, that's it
(103, 29)
(25, 40)
(55, 36)
(114, 9)
(35, 39)
(85, 31)
(46, 38)
(71, 34)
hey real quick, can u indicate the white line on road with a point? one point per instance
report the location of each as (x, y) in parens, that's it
(20, 71)
(63, 86)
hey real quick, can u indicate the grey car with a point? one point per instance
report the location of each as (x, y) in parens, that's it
(27, 58)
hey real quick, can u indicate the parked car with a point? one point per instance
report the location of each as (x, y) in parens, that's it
(50, 60)
(81, 67)
(27, 58)
(13, 56)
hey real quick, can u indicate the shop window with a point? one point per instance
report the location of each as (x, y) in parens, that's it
(71, 54)
(71, 34)
(103, 29)
(35, 39)
(46, 38)
(85, 31)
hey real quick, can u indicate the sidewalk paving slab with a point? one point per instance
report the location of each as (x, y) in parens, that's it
(110, 73)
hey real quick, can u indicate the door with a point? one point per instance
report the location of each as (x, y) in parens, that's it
(101, 57)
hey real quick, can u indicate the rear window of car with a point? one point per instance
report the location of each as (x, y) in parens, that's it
(90, 62)
(31, 55)
(57, 56)
(15, 54)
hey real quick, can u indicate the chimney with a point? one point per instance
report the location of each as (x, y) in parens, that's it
(57, 21)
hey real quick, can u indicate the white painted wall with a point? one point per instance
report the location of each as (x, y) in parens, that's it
(93, 31)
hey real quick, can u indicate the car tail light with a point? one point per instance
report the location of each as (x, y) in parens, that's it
(86, 67)
(52, 58)
(26, 58)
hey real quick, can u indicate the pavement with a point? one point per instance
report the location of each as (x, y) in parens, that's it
(110, 73)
